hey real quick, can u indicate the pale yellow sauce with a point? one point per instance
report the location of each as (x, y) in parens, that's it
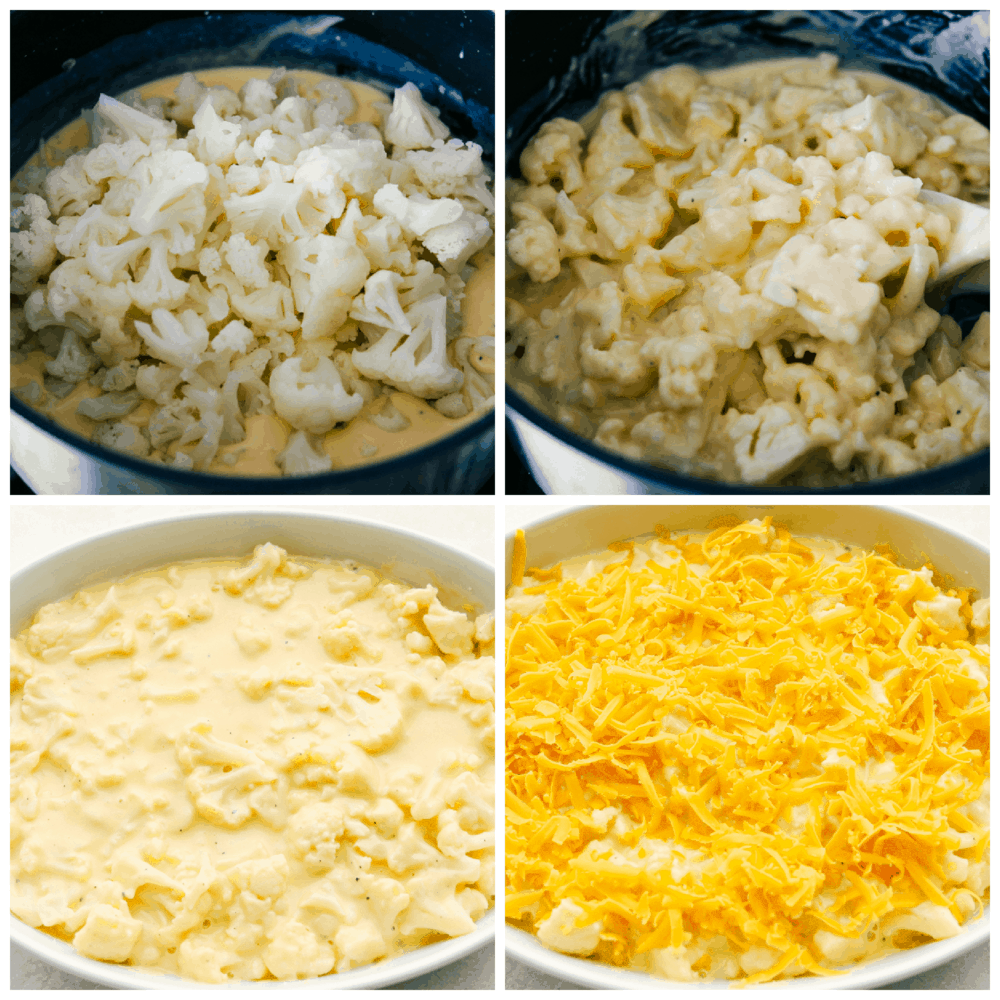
(359, 443)
(311, 667)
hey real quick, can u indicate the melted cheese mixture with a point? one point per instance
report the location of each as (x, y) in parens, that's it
(272, 769)
(362, 441)
(739, 755)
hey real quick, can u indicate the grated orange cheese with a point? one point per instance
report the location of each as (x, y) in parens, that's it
(704, 692)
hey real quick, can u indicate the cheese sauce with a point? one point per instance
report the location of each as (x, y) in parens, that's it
(250, 770)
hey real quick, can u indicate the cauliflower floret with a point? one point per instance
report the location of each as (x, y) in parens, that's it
(359, 944)
(300, 458)
(381, 240)
(647, 283)
(68, 190)
(313, 833)
(110, 405)
(413, 124)
(313, 400)
(769, 441)
(234, 336)
(943, 610)
(555, 152)
(109, 934)
(123, 437)
(417, 213)
(296, 953)
(414, 359)
(455, 242)
(190, 95)
(119, 122)
(534, 243)
(686, 367)
(624, 221)
(245, 260)
(824, 288)
(178, 340)
(76, 233)
(271, 215)
(878, 127)
(74, 362)
(171, 198)
(117, 378)
(981, 615)
(451, 630)
(157, 288)
(74, 291)
(111, 159)
(560, 932)
(227, 783)
(266, 878)
(213, 140)
(32, 246)
(975, 349)
(326, 273)
(451, 169)
(204, 960)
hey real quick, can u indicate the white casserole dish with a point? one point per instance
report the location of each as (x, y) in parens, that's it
(913, 539)
(407, 555)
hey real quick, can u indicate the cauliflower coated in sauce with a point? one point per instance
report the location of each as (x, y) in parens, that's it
(762, 230)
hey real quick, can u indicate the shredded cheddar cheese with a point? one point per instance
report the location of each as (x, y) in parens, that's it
(743, 756)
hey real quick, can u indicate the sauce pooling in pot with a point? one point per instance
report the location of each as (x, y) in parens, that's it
(415, 422)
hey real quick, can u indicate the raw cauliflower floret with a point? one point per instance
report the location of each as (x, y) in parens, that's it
(413, 124)
(178, 340)
(455, 242)
(246, 260)
(313, 400)
(417, 213)
(300, 458)
(415, 358)
(126, 438)
(326, 273)
(213, 140)
(74, 362)
(32, 245)
(451, 169)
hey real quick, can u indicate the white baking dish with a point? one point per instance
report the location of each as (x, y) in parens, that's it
(913, 539)
(407, 555)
